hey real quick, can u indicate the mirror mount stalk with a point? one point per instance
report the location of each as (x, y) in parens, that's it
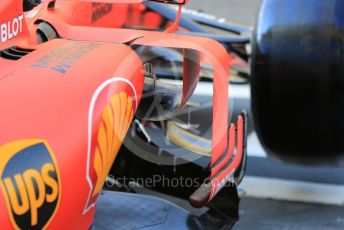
(173, 28)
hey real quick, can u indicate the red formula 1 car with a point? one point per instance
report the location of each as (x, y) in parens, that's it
(66, 106)
(150, 16)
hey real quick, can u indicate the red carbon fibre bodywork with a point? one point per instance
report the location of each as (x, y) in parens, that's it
(74, 98)
(211, 51)
(103, 14)
(121, 14)
(56, 95)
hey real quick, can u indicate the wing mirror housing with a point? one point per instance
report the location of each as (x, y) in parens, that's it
(174, 26)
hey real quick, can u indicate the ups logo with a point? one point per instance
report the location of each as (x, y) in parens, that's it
(30, 182)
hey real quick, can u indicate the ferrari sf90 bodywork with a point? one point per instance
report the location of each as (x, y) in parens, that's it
(66, 106)
(151, 16)
(67, 103)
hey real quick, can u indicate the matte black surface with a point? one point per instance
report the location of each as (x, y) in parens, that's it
(122, 211)
(298, 80)
(29, 4)
(130, 211)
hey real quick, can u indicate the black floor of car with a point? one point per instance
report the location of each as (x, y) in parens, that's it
(122, 211)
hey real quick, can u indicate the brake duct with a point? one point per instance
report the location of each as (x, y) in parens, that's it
(160, 100)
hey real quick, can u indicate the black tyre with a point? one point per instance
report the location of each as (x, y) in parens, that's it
(298, 80)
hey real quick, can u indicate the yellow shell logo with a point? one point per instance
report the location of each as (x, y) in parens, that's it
(31, 184)
(116, 119)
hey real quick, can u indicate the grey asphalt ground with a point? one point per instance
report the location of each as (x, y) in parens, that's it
(241, 12)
